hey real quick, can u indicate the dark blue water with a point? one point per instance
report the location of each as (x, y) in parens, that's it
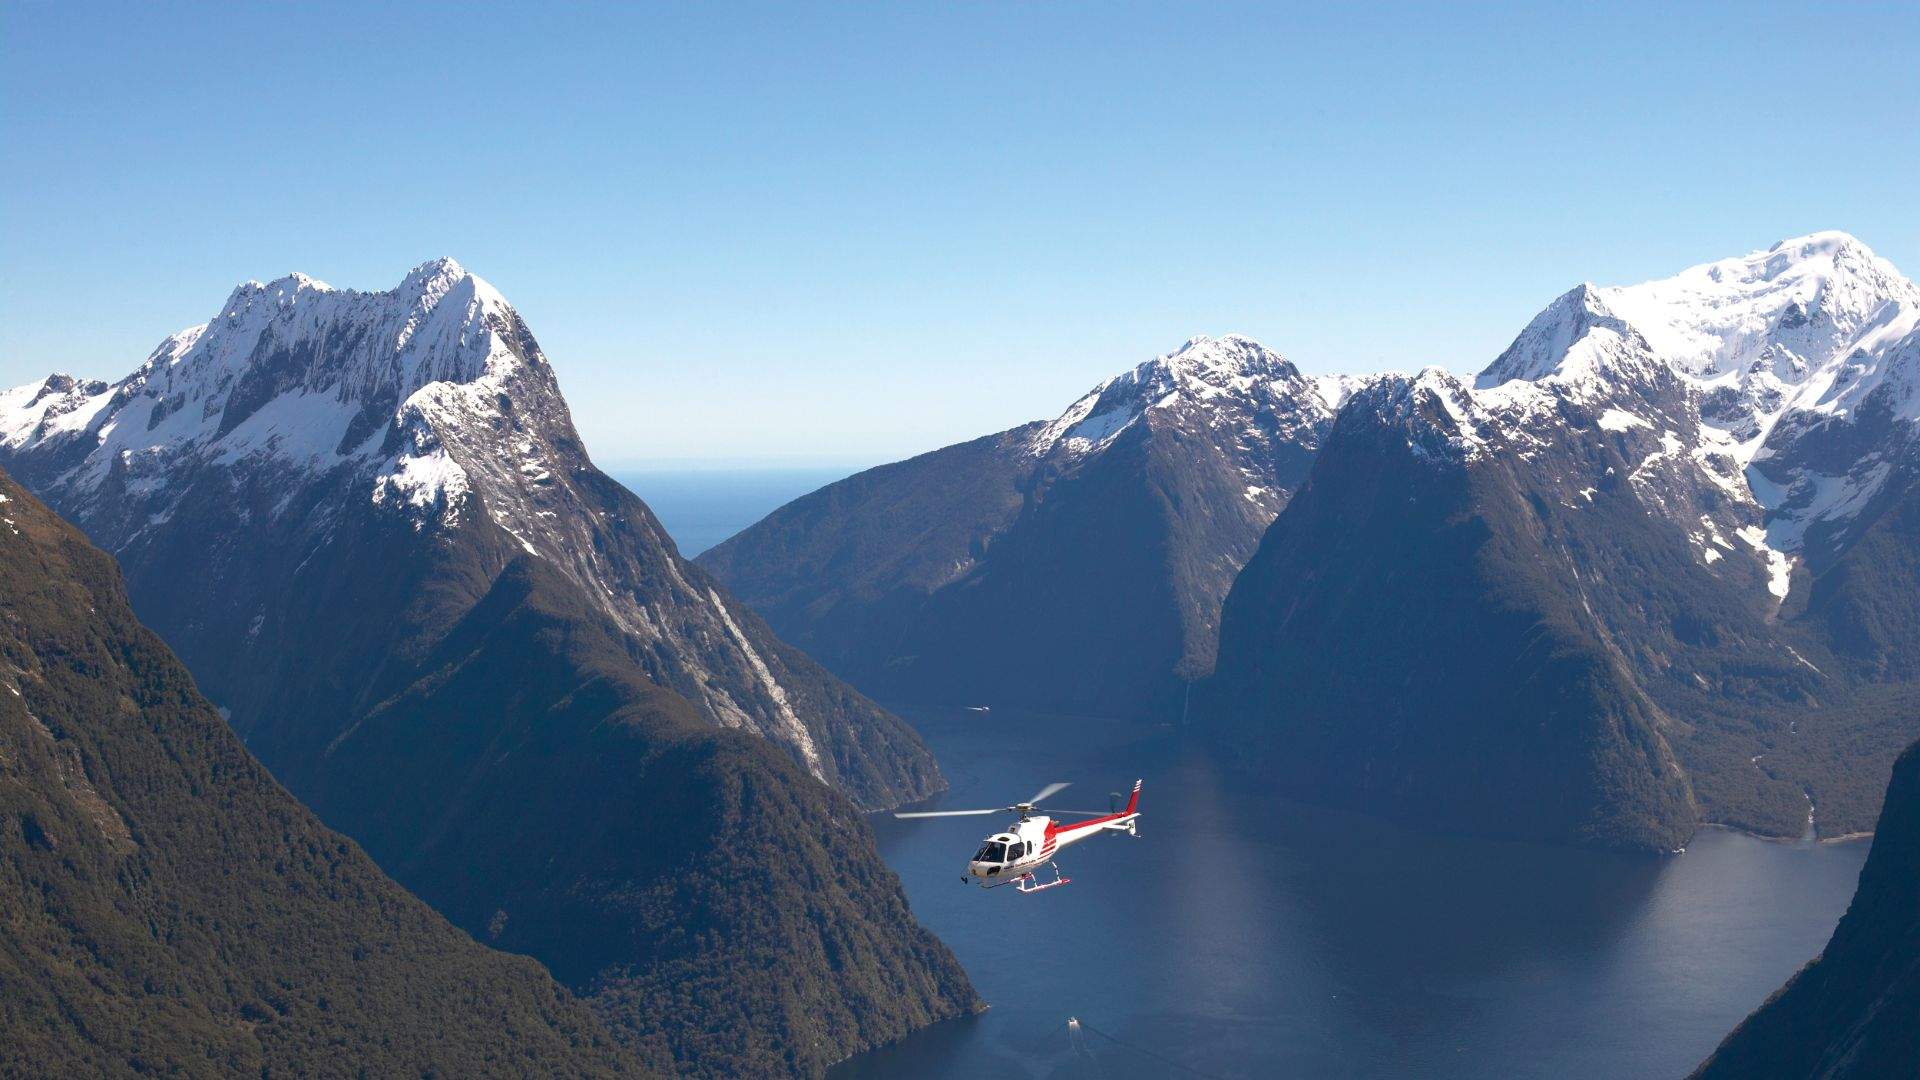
(1241, 936)
(701, 507)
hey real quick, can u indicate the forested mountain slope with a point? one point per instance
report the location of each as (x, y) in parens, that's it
(165, 907)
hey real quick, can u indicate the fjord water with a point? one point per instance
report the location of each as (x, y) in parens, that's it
(1244, 936)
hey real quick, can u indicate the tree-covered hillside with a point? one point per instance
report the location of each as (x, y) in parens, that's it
(166, 908)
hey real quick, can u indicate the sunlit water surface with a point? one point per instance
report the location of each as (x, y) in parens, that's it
(1244, 936)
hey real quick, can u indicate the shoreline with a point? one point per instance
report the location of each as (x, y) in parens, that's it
(1843, 838)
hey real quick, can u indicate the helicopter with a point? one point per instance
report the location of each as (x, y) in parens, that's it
(1032, 842)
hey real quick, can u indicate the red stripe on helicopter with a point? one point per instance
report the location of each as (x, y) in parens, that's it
(1091, 822)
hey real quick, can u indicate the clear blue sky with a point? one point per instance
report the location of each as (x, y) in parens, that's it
(751, 234)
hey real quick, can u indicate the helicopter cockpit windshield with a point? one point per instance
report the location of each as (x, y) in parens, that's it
(993, 851)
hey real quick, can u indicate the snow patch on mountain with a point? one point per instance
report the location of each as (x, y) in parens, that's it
(1444, 419)
(1336, 389)
(58, 403)
(1095, 431)
(428, 481)
(1815, 497)
(1620, 420)
(1779, 563)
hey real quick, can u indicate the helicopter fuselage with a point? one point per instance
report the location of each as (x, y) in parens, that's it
(1034, 840)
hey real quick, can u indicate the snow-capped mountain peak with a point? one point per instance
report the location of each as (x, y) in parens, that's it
(1790, 376)
(1228, 352)
(1227, 375)
(1579, 340)
(1758, 335)
(1790, 307)
(309, 377)
(443, 269)
(1770, 348)
(1439, 416)
(440, 323)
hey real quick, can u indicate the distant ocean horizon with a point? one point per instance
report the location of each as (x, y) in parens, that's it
(701, 506)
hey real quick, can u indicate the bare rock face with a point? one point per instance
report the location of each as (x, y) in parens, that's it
(366, 523)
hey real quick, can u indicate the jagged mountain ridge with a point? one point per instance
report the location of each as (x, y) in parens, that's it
(168, 908)
(1603, 453)
(367, 524)
(1075, 565)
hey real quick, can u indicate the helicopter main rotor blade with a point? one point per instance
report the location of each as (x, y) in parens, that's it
(946, 813)
(1079, 813)
(1050, 790)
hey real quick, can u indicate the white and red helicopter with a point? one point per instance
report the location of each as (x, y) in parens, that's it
(1033, 841)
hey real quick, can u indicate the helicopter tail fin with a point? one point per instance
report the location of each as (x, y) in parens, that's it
(1133, 802)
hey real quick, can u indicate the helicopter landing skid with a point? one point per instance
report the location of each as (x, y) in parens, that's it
(1026, 883)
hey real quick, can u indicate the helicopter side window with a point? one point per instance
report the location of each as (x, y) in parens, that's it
(1016, 852)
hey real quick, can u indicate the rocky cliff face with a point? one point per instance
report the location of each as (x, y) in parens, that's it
(168, 908)
(1634, 482)
(1075, 565)
(366, 523)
